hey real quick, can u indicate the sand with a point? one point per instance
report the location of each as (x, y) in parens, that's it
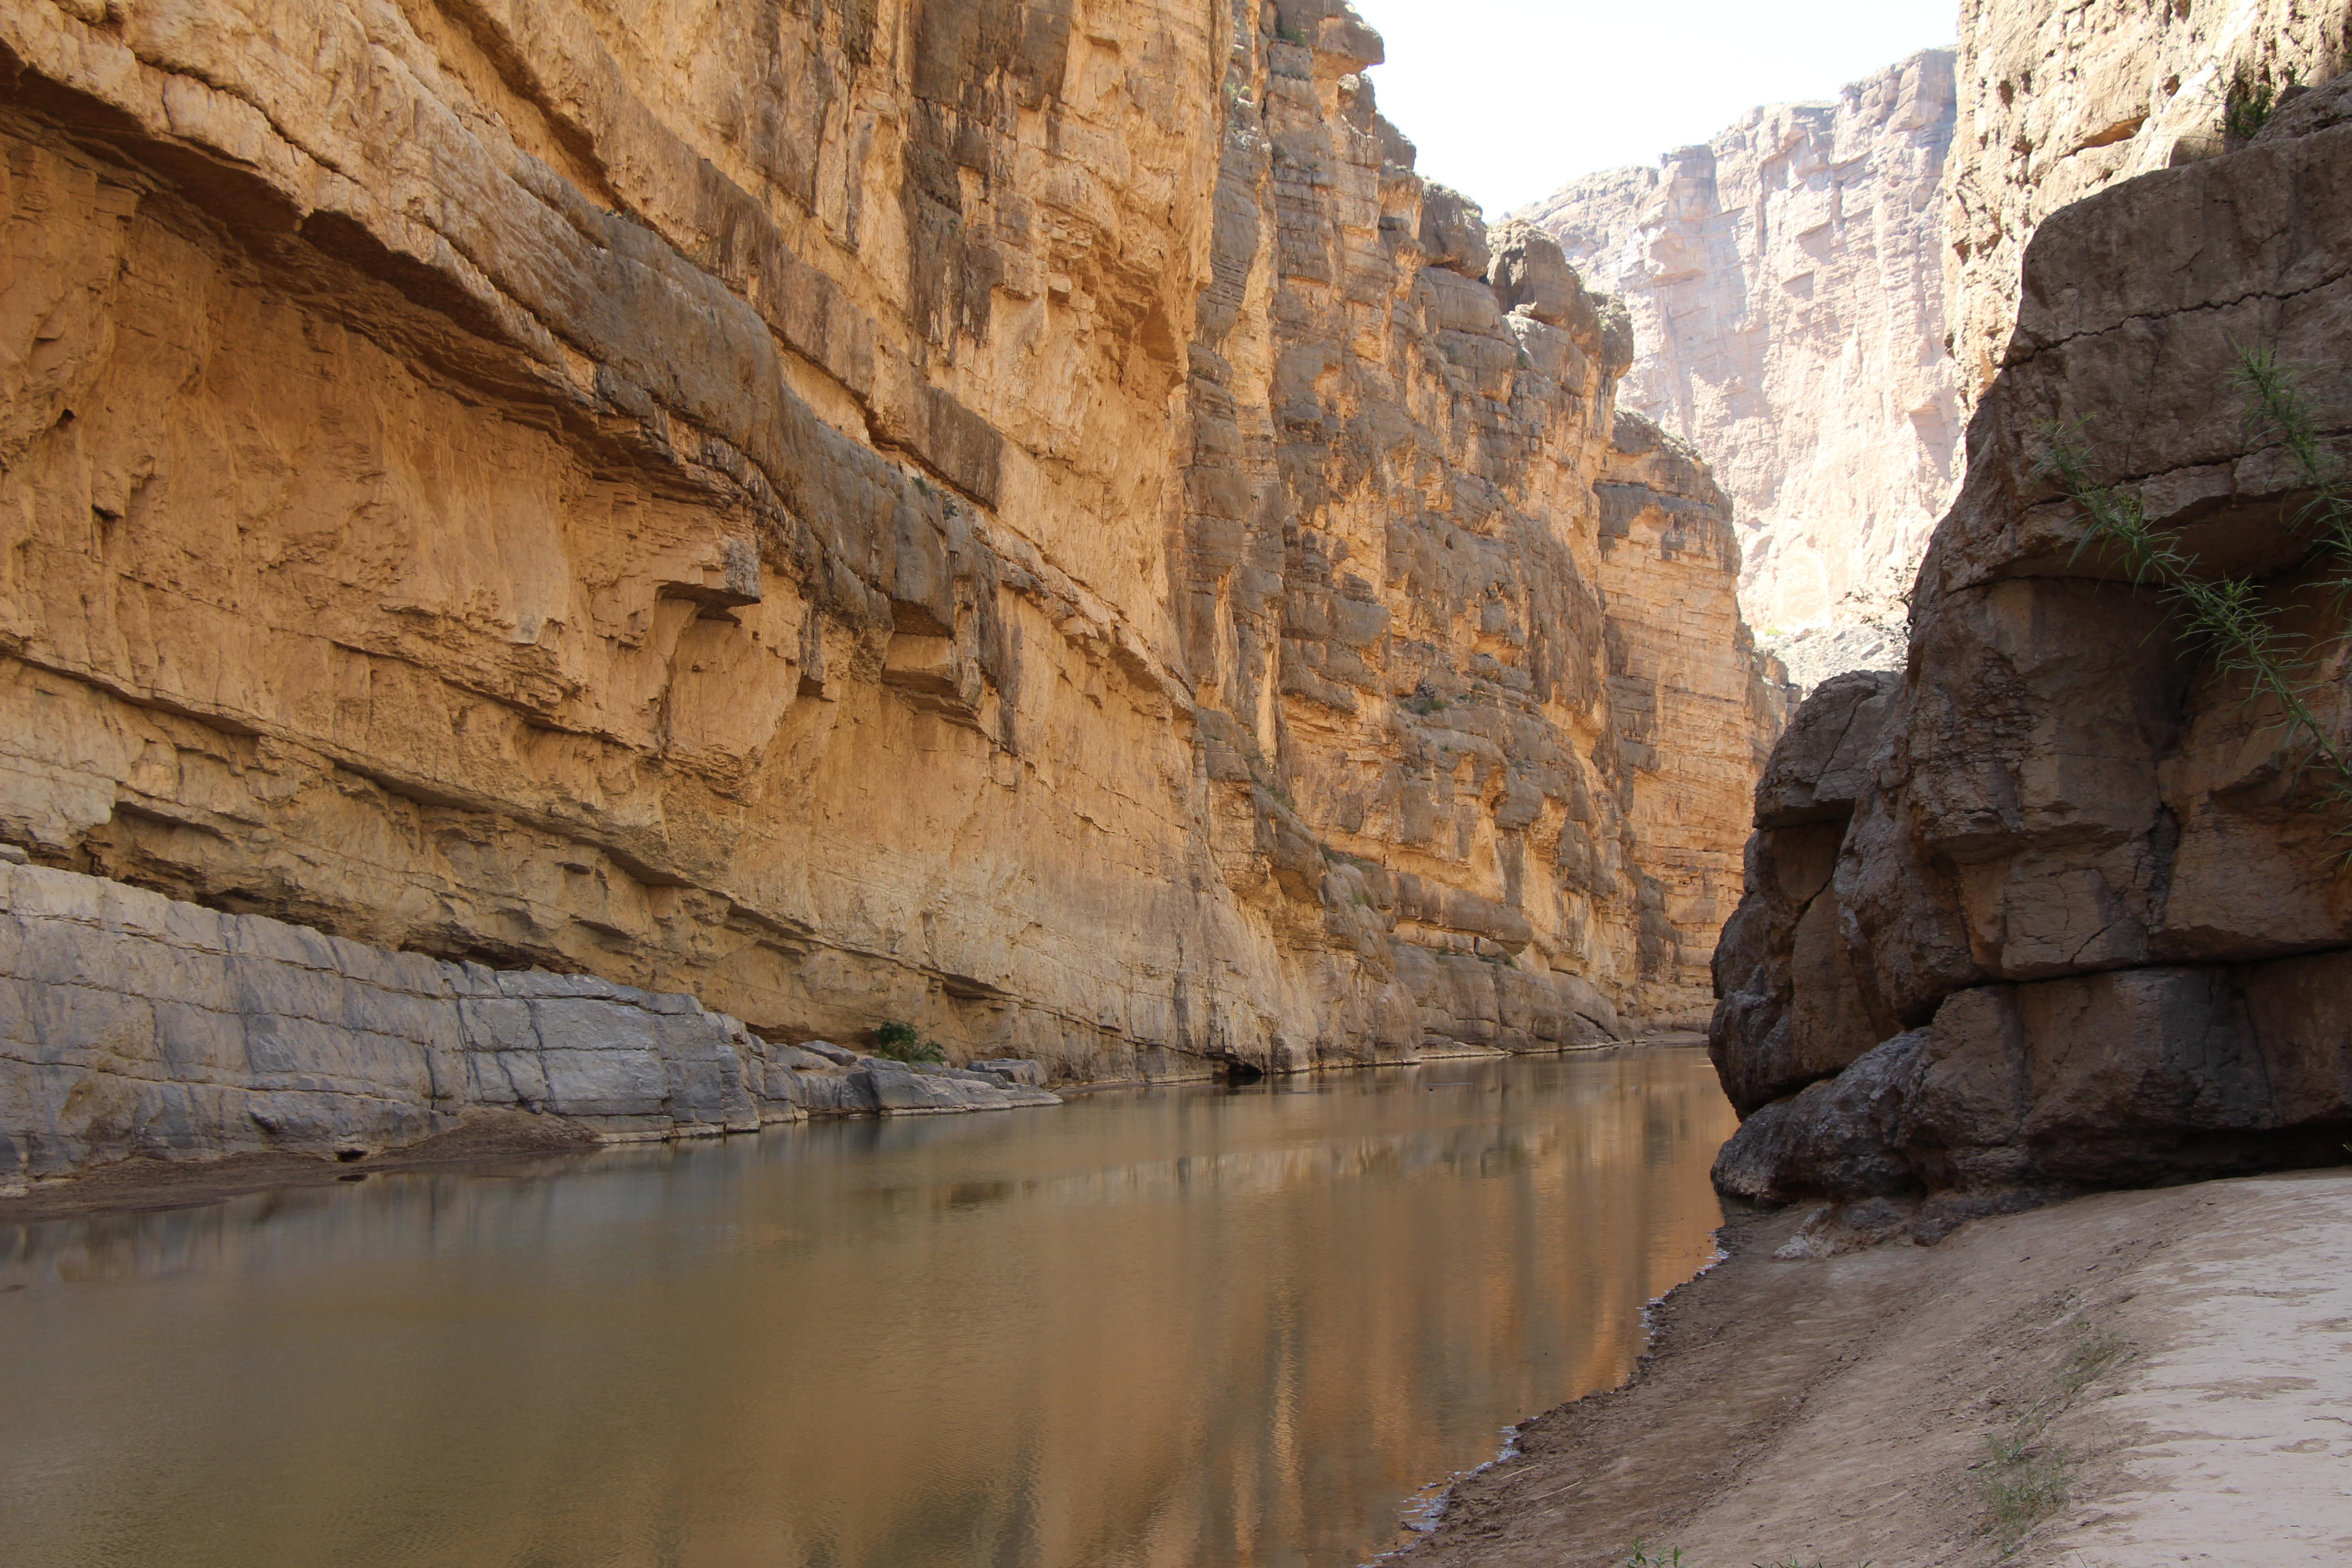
(1838, 1411)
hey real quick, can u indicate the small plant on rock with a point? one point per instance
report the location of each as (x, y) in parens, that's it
(903, 1043)
(1643, 1557)
(2248, 105)
(2226, 621)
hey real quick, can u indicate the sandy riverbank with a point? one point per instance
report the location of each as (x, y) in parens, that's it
(2176, 1362)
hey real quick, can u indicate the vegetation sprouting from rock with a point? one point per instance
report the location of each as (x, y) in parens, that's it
(904, 1043)
(2247, 107)
(2232, 623)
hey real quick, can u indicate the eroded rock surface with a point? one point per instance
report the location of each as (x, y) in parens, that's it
(1670, 568)
(134, 1024)
(1028, 521)
(2056, 103)
(1785, 281)
(2086, 925)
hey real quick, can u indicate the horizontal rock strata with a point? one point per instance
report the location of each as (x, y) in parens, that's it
(133, 1023)
(1028, 521)
(1786, 284)
(2054, 909)
(1670, 572)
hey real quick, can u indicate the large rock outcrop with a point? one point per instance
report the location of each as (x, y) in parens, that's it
(2057, 102)
(1786, 285)
(2085, 923)
(1026, 520)
(133, 1023)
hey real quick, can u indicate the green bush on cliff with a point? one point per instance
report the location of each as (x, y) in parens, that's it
(2246, 107)
(903, 1043)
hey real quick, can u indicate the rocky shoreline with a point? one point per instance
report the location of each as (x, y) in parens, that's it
(166, 1054)
(148, 1028)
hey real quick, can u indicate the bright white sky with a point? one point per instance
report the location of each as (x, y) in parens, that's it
(1510, 99)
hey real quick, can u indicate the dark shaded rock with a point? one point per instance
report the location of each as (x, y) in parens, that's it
(1817, 770)
(2078, 889)
(1791, 1007)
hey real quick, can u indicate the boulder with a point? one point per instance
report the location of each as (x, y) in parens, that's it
(1453, 232)
(2077, 888)
(1817, 768)
(1790, 1008)
(1531, 276)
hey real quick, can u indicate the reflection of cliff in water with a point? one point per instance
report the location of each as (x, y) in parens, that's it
(1184, 1327)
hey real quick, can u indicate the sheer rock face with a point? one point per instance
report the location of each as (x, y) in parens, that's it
(2086, 925)
(1670, 568)
(2056, 103)
(1399, 606)
(1019, 520)
(1785, 281)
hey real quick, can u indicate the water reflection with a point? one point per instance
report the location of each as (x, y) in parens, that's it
(1155, 1329)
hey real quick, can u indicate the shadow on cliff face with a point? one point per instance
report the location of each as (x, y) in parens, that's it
(2054, 910)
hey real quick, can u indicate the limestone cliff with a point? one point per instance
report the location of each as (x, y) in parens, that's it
(1670, 568)
(2058, 101)
(1785, 282)
(1023, 519)
(2056, 907)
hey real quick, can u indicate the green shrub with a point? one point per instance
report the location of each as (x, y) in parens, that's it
(902, 1042)
(2245, 109)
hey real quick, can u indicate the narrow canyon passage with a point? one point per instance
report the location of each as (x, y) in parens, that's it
(610, 607)
(1173, 1327)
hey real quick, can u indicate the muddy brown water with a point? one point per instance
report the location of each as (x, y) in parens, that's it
(1151, 1329)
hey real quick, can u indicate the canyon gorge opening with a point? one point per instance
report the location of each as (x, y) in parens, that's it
(601, 599)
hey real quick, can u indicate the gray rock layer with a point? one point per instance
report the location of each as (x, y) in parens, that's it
(134, 1024)
(2057, 908)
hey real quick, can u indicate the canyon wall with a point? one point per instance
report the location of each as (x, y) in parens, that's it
(1670, 569)
(1785, 281)
(1028, 521)
(2060, 101)
(2065, 903)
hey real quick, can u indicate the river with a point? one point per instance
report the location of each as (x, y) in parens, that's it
(1173, 1328)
